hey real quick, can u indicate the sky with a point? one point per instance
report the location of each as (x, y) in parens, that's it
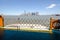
(17, 7)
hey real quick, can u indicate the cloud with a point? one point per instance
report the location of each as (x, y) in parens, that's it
(51, 6)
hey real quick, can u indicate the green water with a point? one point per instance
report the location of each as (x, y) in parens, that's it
(24, 35)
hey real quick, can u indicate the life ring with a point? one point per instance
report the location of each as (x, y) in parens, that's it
(56, 24)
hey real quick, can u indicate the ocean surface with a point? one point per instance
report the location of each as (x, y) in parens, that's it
(24, 35)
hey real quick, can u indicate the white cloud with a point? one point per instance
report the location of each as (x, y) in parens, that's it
(51, 6)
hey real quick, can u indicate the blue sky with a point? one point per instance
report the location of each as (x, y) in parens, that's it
(17, 7)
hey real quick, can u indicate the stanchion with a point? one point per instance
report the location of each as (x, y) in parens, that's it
(1, 25)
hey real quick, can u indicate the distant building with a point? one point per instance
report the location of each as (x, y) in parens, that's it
(57, 14)
(30, 13)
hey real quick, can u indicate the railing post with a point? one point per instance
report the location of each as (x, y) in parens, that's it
(1, 27)
(51, 23)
